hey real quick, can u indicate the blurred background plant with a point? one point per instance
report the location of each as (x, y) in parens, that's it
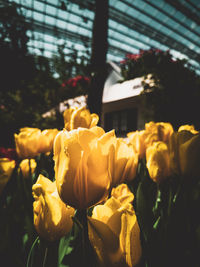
(31, 85)
(176, 92)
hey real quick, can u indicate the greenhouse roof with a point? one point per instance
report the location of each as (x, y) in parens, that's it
(133, 25)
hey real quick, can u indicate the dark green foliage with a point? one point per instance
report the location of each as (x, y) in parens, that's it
(168, 218)
(28, 84)
(176, 94)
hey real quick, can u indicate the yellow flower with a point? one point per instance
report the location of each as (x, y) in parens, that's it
(154, 132)
(47, 139)
(79, 117)
(27, 142)
(114, 232)
(6, 168)
(25, 166)
(123, 162)
(187, 127)
(52, 217)
(30, 142)
(185, 153)
(81, 165)
(137, 139)
(158, 161)
(67, 117)
(163, 130)
(123, 194)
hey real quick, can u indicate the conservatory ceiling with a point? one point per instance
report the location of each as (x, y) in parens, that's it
(133, 25)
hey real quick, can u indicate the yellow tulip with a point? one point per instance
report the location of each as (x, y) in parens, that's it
(47, 139)
(67, 117)
(158, 161)
(114, 232)
(123, 162)
(79, 117)
(163, 130)
(137, 139)
(154, 132)
(188, 127)
(52, 217)
(27, 167)
(185, 153)
(81, 165)
(123, 194)
(27, 142)
(6, 169)
(30, 142)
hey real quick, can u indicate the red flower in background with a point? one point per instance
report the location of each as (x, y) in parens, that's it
(9, 153)
(76, 81)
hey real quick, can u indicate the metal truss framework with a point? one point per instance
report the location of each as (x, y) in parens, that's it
(133, 25)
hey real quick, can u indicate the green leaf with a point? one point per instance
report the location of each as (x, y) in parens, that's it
(64, 248)
(29, 260)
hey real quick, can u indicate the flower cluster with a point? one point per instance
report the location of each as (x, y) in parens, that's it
(104, 200)
(75, 117)
(76, 81)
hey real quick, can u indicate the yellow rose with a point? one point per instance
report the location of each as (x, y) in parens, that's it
(52, 217)
(25, 166)
(6, 168)
(158, 161)
(185, 153)
(27, 142)
(79, 117)
(114, 232)
(81, 165)
(123, 162)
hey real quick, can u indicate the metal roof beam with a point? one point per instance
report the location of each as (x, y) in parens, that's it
(171, 17)
(183, 9)
(72, 36)
(161, 22)
(149, 31)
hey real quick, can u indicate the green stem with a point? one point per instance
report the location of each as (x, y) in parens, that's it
(86, 245)
(45, 257)
(30, 252)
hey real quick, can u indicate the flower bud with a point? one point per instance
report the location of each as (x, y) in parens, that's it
(27, 142)
(30, 142)
(79, 117)
(52, 217)
(184, 150)
(6, 168)
(27, 167)
(158, 161)
(81, 166)
(114, 231)
(123, 162)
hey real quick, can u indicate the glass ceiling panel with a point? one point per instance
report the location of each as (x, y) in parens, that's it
(38, 6)
(133, 25)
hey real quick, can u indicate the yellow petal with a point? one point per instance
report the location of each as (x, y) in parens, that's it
(98, 131)
(123, 194)
(105, 243)
(6, 169)
(52, 218)
(80, 118)
(158, 161)
(94, 120)
(130, 238)
(67, 156)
